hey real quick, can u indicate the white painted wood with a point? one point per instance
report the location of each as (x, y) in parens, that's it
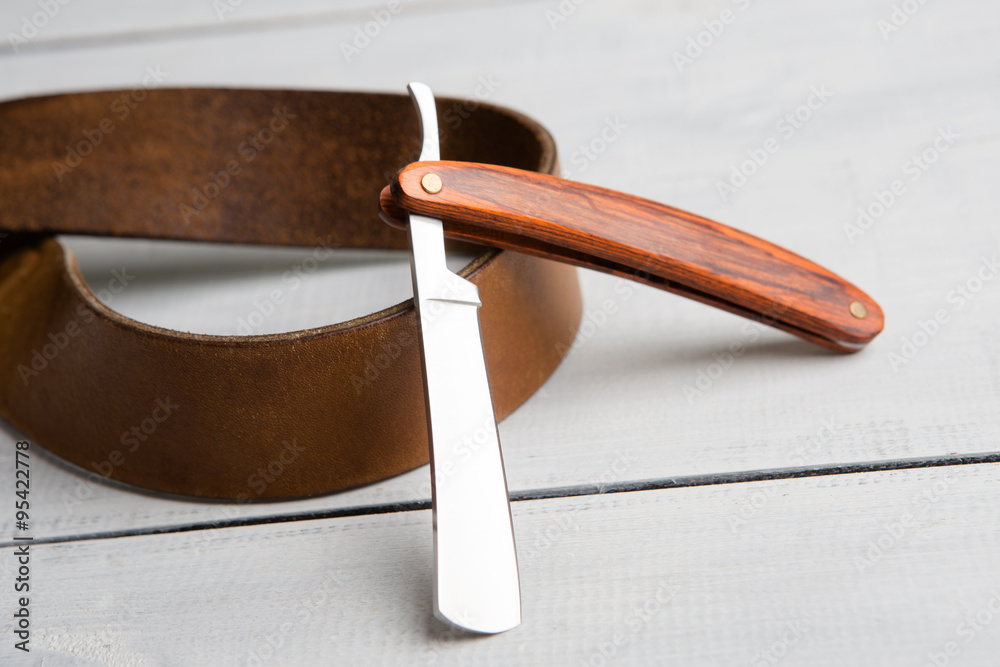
(616, 410)
(657, 577)
(45, 24)
(737, 563)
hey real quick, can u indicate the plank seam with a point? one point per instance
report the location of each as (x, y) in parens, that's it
(683, 481)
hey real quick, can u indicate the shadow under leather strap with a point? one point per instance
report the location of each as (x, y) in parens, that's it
(274, 416)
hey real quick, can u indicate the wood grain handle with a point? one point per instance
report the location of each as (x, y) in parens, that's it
(639, 239)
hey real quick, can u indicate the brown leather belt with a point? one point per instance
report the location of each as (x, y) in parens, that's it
(258, 417)
(283, 416)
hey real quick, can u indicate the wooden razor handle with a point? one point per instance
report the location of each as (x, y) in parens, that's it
(639, 239)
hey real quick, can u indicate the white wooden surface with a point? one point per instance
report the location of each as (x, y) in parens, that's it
(657, 577)
(616, 412)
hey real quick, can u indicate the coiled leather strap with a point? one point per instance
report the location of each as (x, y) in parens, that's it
(273, 416)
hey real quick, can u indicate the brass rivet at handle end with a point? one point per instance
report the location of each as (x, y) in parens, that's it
(858, 310)
(431, 183)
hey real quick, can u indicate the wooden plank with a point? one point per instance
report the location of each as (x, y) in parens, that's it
(872, 569)
(620, 408)
(30, 25)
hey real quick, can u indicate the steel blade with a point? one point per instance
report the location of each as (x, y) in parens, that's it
(476, 584)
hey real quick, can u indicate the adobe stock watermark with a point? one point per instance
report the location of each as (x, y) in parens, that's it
(454, 117)
(587, 153)
(896, 530)
(223, 7)
(22, 539)
(119, 110)
(637, 619)
(594, 319)
(700, 42)
(267, 645)
(382, 360)
(786, 127)
(899, 17)
(32, 26)
(707, 376)
(962, 294)
(276, 467)
(562, 12)
(266, 306)
(388, 353)
(365, 34)
(777, 650)
(256, 484)
(912, 169)
(450, 459)
(616, 470)
(967, 630)
(758, 499)
(543, 539)
(131, 440)
(59, 340)
(247, 151)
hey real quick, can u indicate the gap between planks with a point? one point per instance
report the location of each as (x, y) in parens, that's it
(683, 481)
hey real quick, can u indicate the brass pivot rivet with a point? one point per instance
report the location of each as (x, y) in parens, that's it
(431, 183)
(858, 310)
